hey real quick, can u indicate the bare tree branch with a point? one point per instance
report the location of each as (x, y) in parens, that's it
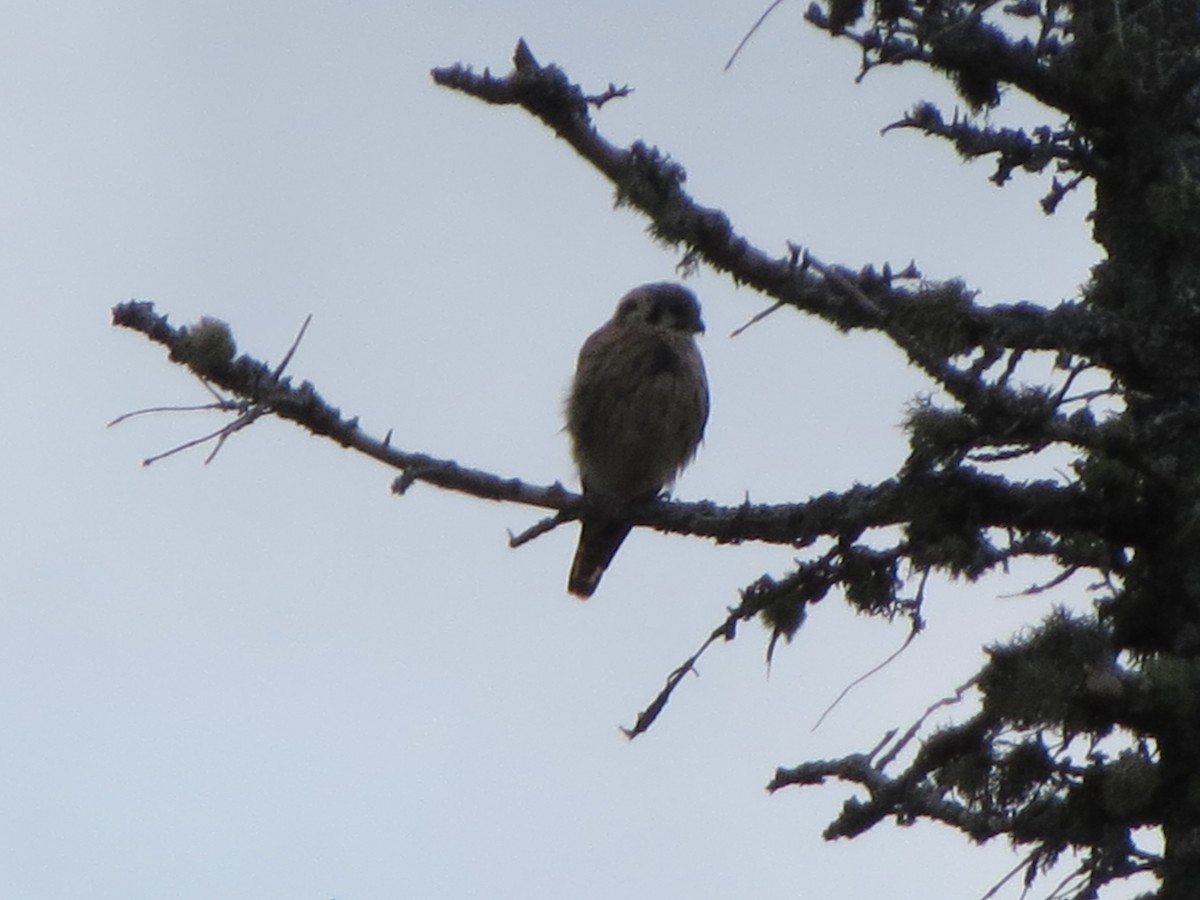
(932, 323)
(957, 39)
(1035, 505)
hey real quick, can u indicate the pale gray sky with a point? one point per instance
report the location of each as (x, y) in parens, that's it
(267, 677)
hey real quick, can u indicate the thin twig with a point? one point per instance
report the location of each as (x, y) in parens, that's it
(865, 303)
(646, 717)
(243, 421)
(757, 317)
(219, 435)
(956, 697)
(1078, 873)
(882, 742)
(1014, 359)
(223, 405)
(1074, 373)
(1042, 587)
(917, 625)
(215, 393)
(1003, 455)
(1089, 396)
(287, 358)
(539, 528)
(750, 33)
(613, 92)
(863, 677)
(1007, 878)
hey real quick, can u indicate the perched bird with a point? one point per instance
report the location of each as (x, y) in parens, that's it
(635, 414)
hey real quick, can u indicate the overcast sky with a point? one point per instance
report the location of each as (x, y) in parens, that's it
(269, 678)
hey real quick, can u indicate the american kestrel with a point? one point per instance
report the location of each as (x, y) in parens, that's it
(635, 414)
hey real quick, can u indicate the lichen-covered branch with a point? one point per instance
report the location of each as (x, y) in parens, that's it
(1028, 765)
(962, 40)
(271, 392)
(932, 322)
(1013, 148)
(979, 501)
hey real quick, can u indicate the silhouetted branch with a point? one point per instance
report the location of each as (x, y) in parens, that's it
(266, 391)
(976, 55)
(931, 322)
(749, 34)
(1033, 505)
(1012, 147)
(726, 631)
(886, 796)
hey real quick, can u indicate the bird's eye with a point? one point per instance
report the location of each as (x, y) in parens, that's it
(655, 315)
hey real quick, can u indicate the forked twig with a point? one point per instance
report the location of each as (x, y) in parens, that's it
(646, 717)
(219, 435)
(956, 697)
(250, 411)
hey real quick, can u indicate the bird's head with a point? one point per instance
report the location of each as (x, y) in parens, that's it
(664, 305)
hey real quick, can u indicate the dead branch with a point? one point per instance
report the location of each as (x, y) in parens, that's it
(1041, 504)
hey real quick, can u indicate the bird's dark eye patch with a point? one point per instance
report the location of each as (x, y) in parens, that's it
(655, 315)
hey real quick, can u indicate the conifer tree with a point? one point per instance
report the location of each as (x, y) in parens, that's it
(1087, 735)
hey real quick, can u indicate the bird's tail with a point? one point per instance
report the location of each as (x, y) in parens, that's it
(598, 544)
